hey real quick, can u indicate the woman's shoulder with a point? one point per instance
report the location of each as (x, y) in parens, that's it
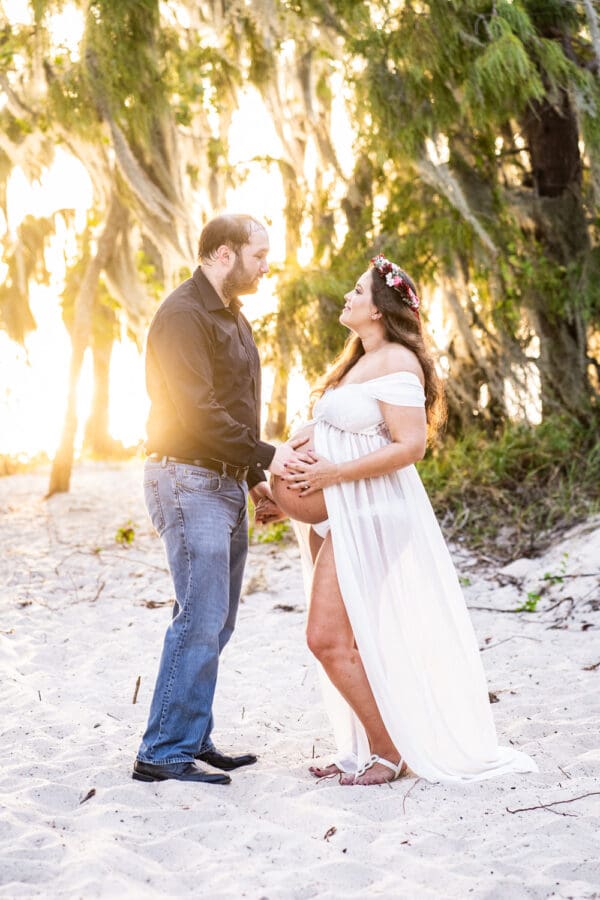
(396, 358)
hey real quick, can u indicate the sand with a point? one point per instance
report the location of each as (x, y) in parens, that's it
(82, 620)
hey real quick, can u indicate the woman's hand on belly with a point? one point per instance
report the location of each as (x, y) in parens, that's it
(307, 478)
(303, 506)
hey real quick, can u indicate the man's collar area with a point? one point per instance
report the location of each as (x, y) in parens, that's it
(211, 299)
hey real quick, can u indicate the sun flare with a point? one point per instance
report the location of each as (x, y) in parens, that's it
(34, 378)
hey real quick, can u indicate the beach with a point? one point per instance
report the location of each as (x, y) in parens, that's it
(83, 617)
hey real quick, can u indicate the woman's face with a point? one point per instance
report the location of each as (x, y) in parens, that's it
(358, 304)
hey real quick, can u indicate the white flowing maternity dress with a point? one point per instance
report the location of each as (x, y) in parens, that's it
(404, 602)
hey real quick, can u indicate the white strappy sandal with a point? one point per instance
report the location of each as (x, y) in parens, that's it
(374, 759)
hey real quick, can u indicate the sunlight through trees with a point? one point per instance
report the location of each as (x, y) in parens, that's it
(460, 138)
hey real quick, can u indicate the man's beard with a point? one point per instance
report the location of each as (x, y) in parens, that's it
(239, 281)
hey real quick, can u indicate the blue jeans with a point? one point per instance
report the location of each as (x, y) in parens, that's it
(201, 517)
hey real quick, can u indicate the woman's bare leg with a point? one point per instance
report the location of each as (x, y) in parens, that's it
(331, 639)
(315, 542)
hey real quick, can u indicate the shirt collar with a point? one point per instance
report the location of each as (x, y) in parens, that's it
(212, 301)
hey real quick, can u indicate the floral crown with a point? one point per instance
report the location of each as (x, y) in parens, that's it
(396, 279)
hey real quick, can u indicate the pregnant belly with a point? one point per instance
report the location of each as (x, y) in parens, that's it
(310, 509)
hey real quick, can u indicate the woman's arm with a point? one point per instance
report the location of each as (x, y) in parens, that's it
(408, 431)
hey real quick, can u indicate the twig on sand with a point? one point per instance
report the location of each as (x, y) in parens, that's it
(554, 803)
(137, 688)
(560, 621)
(513, 637)
(592, 668)
(30, 600)
(576, 575)
(91, 793)
(101, 587)
(562, 600)
(494, 609)
(125, 557)
(411, 788)
(62, 561)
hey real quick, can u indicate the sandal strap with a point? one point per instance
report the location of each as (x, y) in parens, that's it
(368, 765)
(374, 759)
(396, 769)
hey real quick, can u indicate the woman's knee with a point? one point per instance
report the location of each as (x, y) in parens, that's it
(323, 643)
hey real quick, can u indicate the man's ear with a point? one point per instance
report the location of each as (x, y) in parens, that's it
(225, 254)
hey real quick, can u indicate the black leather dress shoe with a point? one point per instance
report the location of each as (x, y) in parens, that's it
(187, 771)
(221, 761)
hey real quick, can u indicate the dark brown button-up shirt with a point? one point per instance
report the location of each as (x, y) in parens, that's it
(203, 378)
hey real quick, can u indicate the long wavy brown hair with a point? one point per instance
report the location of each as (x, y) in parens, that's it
(402, 326)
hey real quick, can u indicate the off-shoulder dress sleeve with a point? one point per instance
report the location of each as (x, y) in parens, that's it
(399, 389)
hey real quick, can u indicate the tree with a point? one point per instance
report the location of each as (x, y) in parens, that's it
(109, 108)
(472, 114)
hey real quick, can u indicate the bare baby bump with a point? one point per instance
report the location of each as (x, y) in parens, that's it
(310, 509)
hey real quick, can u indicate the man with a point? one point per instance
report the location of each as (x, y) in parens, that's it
(205, 452)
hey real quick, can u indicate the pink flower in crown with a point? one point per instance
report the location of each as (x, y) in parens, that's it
(394, 278)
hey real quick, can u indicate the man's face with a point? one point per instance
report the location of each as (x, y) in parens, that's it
(249, 267)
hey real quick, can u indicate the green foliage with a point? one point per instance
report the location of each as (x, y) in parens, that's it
(274, 533)
(262, 60)
(504, 77)
(456, 74)
(125, 535)
(507, 494)
(558, 578)
(549, 580)
(105, 323)
(24, 259)
(196, 76)
(310, 303)
(122, 58)
(149, 276)
(530, 605)
(474, 76)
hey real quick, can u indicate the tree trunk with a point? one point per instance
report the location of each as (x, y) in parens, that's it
(276, 424)
(475, 360)
(60, 475)
(561, 231)
(97, 438)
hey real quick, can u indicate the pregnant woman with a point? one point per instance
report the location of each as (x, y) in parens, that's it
(405, 688)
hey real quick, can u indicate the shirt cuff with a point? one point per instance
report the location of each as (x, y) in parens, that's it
(254, 477)
(262, 456)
